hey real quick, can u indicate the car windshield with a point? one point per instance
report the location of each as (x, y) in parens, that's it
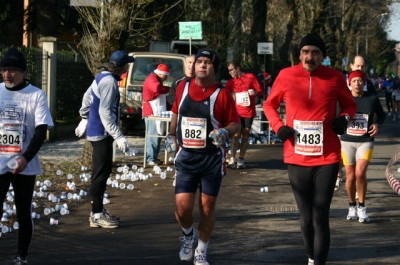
(143, 66)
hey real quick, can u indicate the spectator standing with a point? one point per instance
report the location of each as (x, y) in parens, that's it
(245, 87)
(99, 112)
(24, 125)
(396, 96)
(204, 117)
(154, 102)
(358, 144)
(266, 81)
(311, 146)
(388, 88)
(188, 74)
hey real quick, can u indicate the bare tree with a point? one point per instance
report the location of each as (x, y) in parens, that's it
(108, 26)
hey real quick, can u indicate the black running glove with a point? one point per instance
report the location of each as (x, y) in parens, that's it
(285, 132)
(339, 125)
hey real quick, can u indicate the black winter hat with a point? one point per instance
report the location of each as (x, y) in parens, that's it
(315, 40)
(210, 54)
(13, 58)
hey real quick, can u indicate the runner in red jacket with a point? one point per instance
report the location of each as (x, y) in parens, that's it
(244, 87)
(311, 93)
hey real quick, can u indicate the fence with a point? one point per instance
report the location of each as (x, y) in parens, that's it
(73, 79)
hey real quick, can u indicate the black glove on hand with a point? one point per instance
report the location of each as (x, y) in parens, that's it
(285, 132)
(339, 125)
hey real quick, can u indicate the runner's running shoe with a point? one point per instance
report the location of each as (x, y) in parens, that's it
(188, 245)
(240, 163)
(19, 261)
(352, 215)
(110, 216)
(103, 222)
(107, 215)
(200, 258)
(232, 163)
(362, 214)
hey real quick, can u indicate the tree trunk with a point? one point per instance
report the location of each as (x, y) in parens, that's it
(258, 30)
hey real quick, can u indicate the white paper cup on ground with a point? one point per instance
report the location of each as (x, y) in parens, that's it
(6, 229)
(35, 215)
(53, 221)
(64, 211)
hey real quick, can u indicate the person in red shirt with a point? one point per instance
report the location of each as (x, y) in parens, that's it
(204, 117)
(265, 79)
(154, 102)
(245, 87)
(311, 149)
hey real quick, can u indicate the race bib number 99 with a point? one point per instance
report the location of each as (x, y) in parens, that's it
(309, 137)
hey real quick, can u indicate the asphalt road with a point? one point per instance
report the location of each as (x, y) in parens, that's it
(252, 227)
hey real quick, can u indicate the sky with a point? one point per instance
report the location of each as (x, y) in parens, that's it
(393, 28)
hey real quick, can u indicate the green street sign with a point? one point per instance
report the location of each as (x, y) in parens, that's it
(190, 30)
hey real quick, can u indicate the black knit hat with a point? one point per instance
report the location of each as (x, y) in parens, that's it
(13, 58)
(315, 40)
(210, 54)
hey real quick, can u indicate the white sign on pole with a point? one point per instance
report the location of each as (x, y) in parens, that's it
(190, 30)
(265, 47)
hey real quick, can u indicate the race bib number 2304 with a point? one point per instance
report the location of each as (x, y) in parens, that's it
(11, 138)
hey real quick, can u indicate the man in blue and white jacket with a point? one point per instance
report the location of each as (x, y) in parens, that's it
(99, 114)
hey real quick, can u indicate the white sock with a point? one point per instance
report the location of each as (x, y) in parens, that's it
(187, 231)
(97, 215)
(202, 246)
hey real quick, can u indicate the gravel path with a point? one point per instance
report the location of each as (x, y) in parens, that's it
(71, 149)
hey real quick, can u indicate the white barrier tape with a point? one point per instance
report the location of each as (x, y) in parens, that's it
(393, 182)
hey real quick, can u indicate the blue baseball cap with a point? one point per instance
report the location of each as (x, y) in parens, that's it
(119, 58)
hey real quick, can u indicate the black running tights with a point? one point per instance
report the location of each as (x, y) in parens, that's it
(101, 170)
(23, 186)
(313, 190)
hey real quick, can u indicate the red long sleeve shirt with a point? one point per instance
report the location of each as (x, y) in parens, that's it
(243, 84)
(310, 96)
